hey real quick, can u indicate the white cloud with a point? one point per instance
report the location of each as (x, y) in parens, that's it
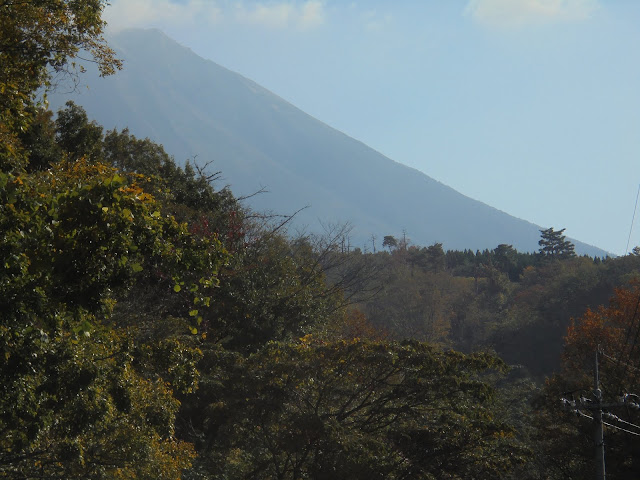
(273, 16)
(143, 13)
(312, 14)
(375, 22)
(514, 14)
(283, 14)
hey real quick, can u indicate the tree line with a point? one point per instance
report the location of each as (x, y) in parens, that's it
(153, 327)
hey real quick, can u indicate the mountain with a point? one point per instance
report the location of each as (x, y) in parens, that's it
(198, 109)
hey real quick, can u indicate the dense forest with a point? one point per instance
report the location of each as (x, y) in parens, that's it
(153, 327)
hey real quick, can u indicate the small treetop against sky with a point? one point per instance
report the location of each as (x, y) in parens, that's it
(530, 106)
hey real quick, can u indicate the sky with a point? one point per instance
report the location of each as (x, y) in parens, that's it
(530, 106)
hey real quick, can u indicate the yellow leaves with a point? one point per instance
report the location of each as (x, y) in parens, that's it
(136, 267)
(145, 197)
(128, 214)
(306, 342)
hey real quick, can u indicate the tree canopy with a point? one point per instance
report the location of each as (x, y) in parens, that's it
(75, 404)
(40, 42)
(553, 244)
(153, 327)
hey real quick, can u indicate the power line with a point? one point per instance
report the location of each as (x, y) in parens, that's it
(617, 361)
(618, 419)
(632, 220)
(597, 405)
(584, 415)
(620, 428)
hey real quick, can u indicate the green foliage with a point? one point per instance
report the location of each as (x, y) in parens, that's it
(76, 135)
(186, 193)
(40, 40)
(73, 406)
(153, 327)
(39, 138)
(76, 236)
(554, 245)
(518, 304)
(269, 291)
(82, 398)
(390, 242)
(356, 409)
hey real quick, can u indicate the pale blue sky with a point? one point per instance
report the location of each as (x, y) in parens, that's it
(531, 106)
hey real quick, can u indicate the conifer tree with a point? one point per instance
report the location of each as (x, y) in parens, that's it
(554, 244)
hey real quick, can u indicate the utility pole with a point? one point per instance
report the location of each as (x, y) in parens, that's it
(628, 400)
(598, 435)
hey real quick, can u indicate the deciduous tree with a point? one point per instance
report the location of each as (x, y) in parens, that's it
(614, 330)
(40, 40)
(358, 410)
(81, 397)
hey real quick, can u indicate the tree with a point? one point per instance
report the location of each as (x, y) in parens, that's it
(614, 330)
(81, 397)
(39, 138)
(554, 245)
(270, 290)
(76, 135)
(40, 40)
(435, 257)
(390, 242)
(506, 260)
(355, 409)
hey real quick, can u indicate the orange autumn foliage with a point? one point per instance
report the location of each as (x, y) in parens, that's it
(614, 330)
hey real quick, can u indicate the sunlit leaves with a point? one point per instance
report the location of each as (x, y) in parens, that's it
(73, 406)
(81, 396)
(80, 233)
(39, 41)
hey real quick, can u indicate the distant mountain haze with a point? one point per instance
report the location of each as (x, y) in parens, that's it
(198, 109)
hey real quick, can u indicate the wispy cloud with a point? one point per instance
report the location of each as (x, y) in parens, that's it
(514, 14)
(312, 14)
(139, 13)
(282, 15)
(300, 15)
(373, 21)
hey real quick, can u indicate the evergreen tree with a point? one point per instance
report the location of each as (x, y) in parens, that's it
(554, 244)
(390, 242)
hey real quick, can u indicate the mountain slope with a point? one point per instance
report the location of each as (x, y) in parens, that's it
(197, 108)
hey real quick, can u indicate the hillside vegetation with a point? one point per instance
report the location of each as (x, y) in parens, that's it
(154, 327)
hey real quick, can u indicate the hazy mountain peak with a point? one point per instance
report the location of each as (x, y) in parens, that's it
(197, 108)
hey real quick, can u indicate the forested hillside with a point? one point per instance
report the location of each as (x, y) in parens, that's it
(518, 304)
(154, 327)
